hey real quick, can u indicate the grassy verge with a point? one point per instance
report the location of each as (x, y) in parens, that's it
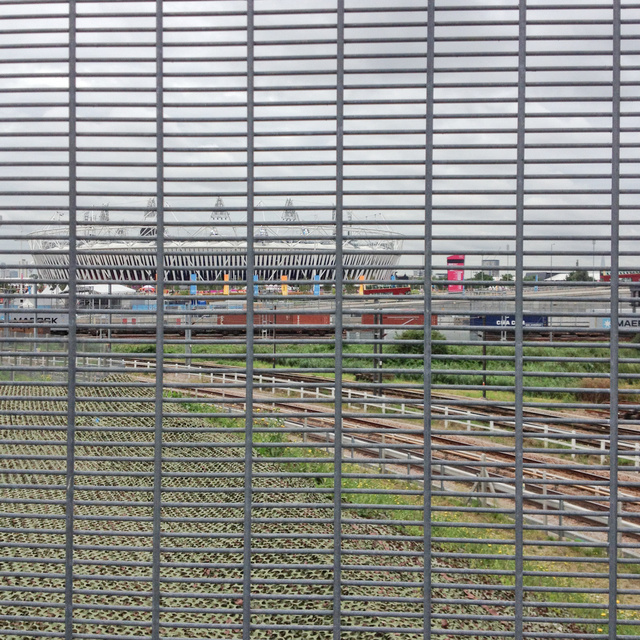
(548, 374)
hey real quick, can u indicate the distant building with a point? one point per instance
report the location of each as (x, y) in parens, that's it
(108, 255)
(539, 275)
(491, 268)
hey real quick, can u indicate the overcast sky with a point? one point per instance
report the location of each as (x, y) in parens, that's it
(568, 124)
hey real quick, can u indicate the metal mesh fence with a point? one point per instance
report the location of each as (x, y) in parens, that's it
(319, 320)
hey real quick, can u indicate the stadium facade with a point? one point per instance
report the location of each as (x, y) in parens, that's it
(106, 253)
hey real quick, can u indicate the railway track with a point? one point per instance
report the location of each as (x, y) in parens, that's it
(578, 495)
(550, 489)
(394, 433)
(549, 486)
(539, 421)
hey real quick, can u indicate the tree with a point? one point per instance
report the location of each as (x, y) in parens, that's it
(579, 275)
(507, 277)
(439, 276)
(412, 342)
(484, 277)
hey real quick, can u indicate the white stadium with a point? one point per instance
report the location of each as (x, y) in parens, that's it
(109, 253)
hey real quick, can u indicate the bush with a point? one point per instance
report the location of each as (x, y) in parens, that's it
(594, 390)
(134, 348)
(406, 343)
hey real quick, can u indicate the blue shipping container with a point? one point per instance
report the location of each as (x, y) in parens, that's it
(508, 321)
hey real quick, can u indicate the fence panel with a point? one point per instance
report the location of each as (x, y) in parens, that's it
(319, 320)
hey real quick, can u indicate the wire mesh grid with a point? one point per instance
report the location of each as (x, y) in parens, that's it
(319, 319)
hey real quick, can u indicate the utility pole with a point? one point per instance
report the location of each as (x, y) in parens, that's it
(484, 358)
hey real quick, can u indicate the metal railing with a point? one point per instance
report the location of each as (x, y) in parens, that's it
(318, 320)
